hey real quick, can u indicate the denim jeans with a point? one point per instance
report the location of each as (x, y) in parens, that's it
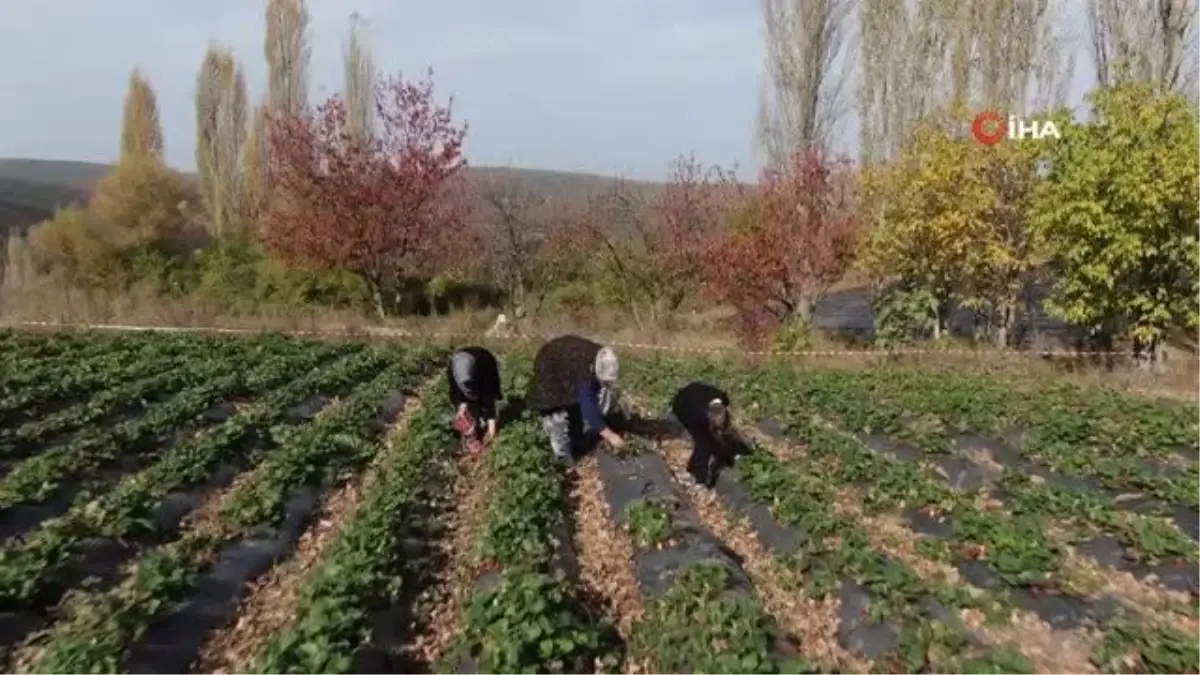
(557, 425)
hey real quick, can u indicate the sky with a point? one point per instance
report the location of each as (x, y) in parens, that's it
(604, 86)
(601, 86)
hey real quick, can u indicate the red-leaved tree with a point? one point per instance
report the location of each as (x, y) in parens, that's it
(692, 213)
(388, 208)
(794, 240)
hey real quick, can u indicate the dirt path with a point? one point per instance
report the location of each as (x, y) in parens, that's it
(605, 554)
(445, 596)
(269, 604)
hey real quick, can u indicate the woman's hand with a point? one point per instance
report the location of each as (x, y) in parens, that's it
(613, 438)
(490, 434)
(464, 425)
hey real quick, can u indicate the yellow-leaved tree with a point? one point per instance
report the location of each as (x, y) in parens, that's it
(1117, 216)
(141, 131)
(141, 206)
(949, 218)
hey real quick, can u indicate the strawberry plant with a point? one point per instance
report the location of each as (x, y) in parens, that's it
(529, 623)
(1132, 647)
(649, 522)
(251, 505)
(27, 567)
(365, 566)
(861, 458)
(49, 355)
(533, 621)
(125, 390)
(38, 477)
(698, 627)
(525, 517)
(318, 454)
(816, 409)
(35, 346)
(79, 378)
(102, 624)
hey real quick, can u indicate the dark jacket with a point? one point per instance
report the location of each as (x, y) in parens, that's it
(562, 370)
(710, 452)
(690, 406)
(486, 379)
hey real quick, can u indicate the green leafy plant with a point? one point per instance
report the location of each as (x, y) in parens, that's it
(680, 630)
(649, 522)
(530, 623)
(903, 317)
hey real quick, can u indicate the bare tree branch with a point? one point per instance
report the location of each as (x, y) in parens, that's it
(288, 54)
(1151, 41)
(515, 237)
(801, 100)
(221, 128)
(360, 79)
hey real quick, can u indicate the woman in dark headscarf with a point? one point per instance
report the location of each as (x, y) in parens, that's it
(475, 388)
(703, 410)
(574, 382)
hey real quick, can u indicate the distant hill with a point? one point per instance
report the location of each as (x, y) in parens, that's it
(25, 202)
(75, 174)
(32, 189)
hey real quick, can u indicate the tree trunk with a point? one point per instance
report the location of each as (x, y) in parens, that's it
(940, 326)
(805, 304)
(1150, 356)
(377, 297)
(1008, 319)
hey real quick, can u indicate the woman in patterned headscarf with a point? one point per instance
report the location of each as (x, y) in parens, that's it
(574, 381)
(474, 390)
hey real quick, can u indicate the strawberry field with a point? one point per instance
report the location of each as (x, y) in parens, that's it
(178, 502)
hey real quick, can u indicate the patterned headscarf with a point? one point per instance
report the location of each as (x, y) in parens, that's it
(607, 366)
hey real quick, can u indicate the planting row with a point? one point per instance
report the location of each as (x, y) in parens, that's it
(374, 566)
(27, 347)
(138, 507)
(525, 613)
(121, 399)
(1154, 532)
(46, 387)
(888, 614)
(695, 590)
(1100, 439)
(1007, 552)
(132, 443)
(28, 357)
(173, 594)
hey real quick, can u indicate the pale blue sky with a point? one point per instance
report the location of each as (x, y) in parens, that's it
(605, 86)
(609, 86)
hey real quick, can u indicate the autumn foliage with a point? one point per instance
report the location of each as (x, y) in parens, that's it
(769, 251)
(693, 213)
(336, 214)
(796, 236)
(383, 209)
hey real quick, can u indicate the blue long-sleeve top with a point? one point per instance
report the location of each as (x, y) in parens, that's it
(589, 404)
